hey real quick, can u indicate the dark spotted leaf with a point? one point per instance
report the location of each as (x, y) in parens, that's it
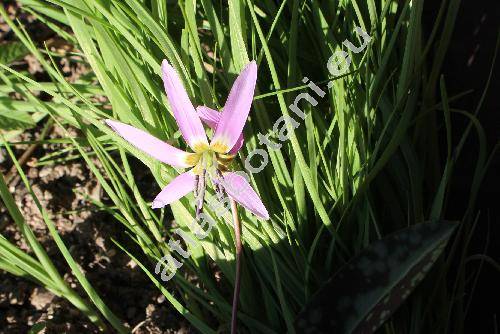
(362, 295)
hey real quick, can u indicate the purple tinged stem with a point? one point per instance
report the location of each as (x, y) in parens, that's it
(237, 281)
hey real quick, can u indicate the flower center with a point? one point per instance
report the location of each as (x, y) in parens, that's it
(209, 164)
(211, 161)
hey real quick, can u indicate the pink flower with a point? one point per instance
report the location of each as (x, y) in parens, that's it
(210, 159)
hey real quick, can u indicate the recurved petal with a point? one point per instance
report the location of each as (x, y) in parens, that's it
(211, 118)
(238, 188)
(236, 109)
(183, 110)
(178, 188)
(238, 145)
(151, 145)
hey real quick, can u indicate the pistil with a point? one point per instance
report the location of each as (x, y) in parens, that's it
(199, 193)
(213, 164)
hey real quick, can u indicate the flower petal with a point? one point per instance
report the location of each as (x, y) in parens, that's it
(183, 110)
(211, 118)
(238, 188)
(238, 145)
(151, 145)
(236, 109)
(178, 188)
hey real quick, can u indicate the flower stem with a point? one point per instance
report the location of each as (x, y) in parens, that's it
(237, 233)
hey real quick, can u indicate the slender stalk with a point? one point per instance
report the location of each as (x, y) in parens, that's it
(29, 152)
(237, 233)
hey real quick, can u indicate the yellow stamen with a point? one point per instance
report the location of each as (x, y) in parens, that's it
(193, 158)
(219, 147)
(224, 160)
(200, 147)
(207, 157)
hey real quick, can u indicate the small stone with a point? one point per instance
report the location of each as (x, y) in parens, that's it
(41, 299)
(150, 310)
(44, 172)
(131, 264)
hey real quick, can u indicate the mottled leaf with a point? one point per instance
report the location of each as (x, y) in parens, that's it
(362, 295)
